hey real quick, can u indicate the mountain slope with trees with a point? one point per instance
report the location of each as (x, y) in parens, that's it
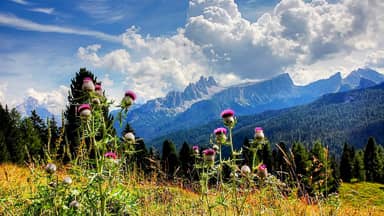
(350, 117)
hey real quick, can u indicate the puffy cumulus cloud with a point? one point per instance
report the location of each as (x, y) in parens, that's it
(55, 101)
(310, 40)
(296, 33)
(152, 66)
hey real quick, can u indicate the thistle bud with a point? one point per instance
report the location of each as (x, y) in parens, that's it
(209, 155)
(221, 137)
(98, 90)
(195, 150)
(130, 138)
(228, 116)
(85, 111)
(88, 84)
(50, 168)
(74, 204)
(259, 134)
(216, 148)
(128, 99)
(67, 180)
(245, 170)
(262, 171)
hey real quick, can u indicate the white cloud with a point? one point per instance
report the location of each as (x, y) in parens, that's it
(104, 11)
(43, 10)
(22, 2)
(375, 59)
(309, 40)
(3, 89)
(19, 23)
(55, 101)
(152, 65)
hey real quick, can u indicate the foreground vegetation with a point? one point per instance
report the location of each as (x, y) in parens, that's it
(155, 198)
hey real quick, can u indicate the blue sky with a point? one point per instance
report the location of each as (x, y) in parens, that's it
(155, 46)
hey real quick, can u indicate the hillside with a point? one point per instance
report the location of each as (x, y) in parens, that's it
(336, 118)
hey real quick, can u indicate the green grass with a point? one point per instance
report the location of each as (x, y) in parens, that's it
(363, 195)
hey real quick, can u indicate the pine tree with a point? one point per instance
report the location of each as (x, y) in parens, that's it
(369, 159)
(169, 158)
(321, 174)
(301, 158)
(358, 166)
(4, 152)
(13, 136)
(40, 126)
(186, 160)
(77, 97)
(346, 163)
(31, 139)
(379, 164)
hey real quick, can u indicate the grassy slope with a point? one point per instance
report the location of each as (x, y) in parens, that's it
(354, 199)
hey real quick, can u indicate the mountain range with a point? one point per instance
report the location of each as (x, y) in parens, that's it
(203, 101)
(336, 118)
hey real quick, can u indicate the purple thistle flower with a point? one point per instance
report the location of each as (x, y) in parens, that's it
(130, 94)
(209, 152)
(110, 155)
(228, 118)
(220, 130)
(88, 84)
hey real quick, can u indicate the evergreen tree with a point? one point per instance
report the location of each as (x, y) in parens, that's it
(321, 174)
(31, 139)
(169, 159)
(370, 160)
(379, 164)
(4, 152)
(346, 163)
(13, 136)
(77, 97)
(54, 132)
(140, 156)
(40, 126)
(266, 154)
(301, 158)
(358, 166)
(186, 160)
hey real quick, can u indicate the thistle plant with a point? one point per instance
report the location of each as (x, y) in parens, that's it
(96, 184)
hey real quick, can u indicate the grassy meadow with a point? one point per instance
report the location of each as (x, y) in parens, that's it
(158, 198)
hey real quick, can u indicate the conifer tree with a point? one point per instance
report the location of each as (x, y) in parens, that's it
(76, 97)
(321, 173)
(346, 163)
(169, 158)
(301, 158)
(186, 160)
(4, 152)
(40, 126)
(13, 136)
(358, 166)
(370, 160)
(31, 138)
